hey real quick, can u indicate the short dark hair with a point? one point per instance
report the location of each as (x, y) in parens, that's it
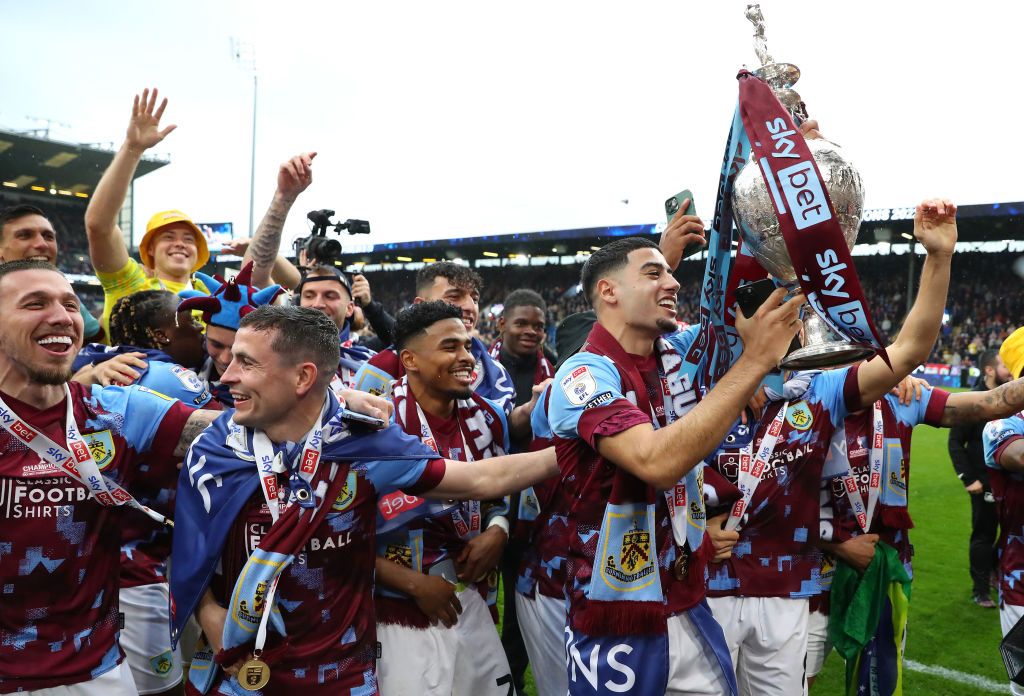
(300, 334)
(415, 320)
(988, 358)
(524, 297)
(8, 267)
(462, 277)
(134, 317)
(16, 212)
(609, 258)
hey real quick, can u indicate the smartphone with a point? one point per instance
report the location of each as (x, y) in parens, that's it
(752, 295)
(672, 206)
(363, 420)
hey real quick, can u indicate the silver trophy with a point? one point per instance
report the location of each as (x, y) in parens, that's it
(759, 227)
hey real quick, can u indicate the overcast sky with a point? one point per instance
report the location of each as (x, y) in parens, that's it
(445, 119)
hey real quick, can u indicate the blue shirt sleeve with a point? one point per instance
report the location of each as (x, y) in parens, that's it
(389, 475)
(136, 410)
(176, 382)
(998, 433)
(827, 389)
(584, 381)
(913, 413)
(539, 424)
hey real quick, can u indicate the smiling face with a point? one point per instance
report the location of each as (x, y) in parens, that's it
(28, 237)
(261, 383)
(174, 250)
(522, 329)
(41, 330)
(329, 296)
(464, 297)
(440, 359)
(644, 292)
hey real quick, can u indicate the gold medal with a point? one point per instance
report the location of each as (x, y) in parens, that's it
(254, 675)
(680, 567)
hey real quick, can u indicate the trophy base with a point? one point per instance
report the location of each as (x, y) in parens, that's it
(822, 355)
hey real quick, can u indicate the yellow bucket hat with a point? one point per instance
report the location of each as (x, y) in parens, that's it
(161, 220)
(1012, 352)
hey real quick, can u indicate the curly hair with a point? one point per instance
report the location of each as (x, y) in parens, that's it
(135, 318)
(413, 321)
(460, 276)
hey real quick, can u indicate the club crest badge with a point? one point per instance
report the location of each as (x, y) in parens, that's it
(347, 493)
(101, 446)
(162, 663)
(799, 416)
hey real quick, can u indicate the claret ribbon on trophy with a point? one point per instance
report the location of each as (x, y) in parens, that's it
(813, 236)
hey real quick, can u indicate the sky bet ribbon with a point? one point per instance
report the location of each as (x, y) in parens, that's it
(807, 219)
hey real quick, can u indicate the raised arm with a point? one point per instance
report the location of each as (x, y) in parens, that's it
(662, 457)
(293, 177)
(106, 243)
(935, 228)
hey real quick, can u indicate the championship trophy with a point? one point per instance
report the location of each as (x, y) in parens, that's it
(759, 226)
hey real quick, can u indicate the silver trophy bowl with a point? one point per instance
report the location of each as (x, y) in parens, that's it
(759, 226)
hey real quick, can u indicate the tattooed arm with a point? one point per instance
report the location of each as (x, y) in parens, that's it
(293, 178)
(195, 424)
(981, 407)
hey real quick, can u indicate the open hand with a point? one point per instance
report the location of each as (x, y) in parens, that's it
(144, 128)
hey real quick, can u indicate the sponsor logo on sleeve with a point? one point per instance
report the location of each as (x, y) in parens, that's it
(579, 385)
(189, 379)
(602, 399)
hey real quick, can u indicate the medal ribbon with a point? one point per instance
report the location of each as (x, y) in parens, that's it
(78, 463)
(269, 465)
(677, 497)
(865, 514)
(752, 472)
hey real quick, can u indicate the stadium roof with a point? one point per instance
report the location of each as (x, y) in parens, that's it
(30, 163)
(989, 222)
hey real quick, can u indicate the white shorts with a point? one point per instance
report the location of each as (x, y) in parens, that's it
(146, 637)
(818, 644)
(116, 682)
(542, 623)
(692, 665)
(464, 659)
(767, 638)
(1009, 615)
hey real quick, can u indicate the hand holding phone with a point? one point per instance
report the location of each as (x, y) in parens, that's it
(684, 235)
(751, 296)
